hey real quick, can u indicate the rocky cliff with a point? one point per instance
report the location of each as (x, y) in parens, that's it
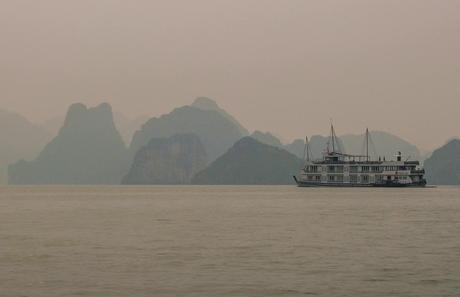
(171, 160)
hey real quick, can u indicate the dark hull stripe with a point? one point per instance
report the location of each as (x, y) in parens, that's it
(348, 185)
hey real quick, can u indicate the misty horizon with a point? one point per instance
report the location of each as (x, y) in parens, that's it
(55, 123)
(286, 68)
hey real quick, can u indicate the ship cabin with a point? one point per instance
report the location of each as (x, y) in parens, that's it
(338, 168)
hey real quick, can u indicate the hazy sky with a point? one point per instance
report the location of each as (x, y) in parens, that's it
(283, 66)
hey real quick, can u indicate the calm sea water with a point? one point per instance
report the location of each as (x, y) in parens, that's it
(229, 241)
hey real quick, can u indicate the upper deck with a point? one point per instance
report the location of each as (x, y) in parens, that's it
(341, 159)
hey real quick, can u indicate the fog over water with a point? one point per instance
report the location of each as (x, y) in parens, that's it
(283, 66)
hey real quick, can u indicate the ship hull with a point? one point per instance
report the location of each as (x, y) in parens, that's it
(398, 185)
(349, 185)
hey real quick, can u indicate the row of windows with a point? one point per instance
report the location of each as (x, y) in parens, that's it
(339, 178)
(335, 169)
(335, 178)
(355, 169)
(368, 168)
(396, 177)
(314, 177)
(312, 168)
(363, 179)
(353, 178)
(396, 168)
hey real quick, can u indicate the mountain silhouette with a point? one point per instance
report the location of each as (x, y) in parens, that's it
(216, 132)
(381, 144)
(443, 167)
(87, 150)
(267, 138)
(20, 139)
(250, 162)
(206, 103)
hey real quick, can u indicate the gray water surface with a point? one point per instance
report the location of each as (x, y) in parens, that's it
(229, 241)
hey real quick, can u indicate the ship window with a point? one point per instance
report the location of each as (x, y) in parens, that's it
(365, 178)
(312, 168)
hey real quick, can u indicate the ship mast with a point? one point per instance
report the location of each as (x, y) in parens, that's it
(367, 144)
(307, 146)
(333, 137)
(307, 155)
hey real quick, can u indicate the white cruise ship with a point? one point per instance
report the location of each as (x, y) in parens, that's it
(337, 169)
